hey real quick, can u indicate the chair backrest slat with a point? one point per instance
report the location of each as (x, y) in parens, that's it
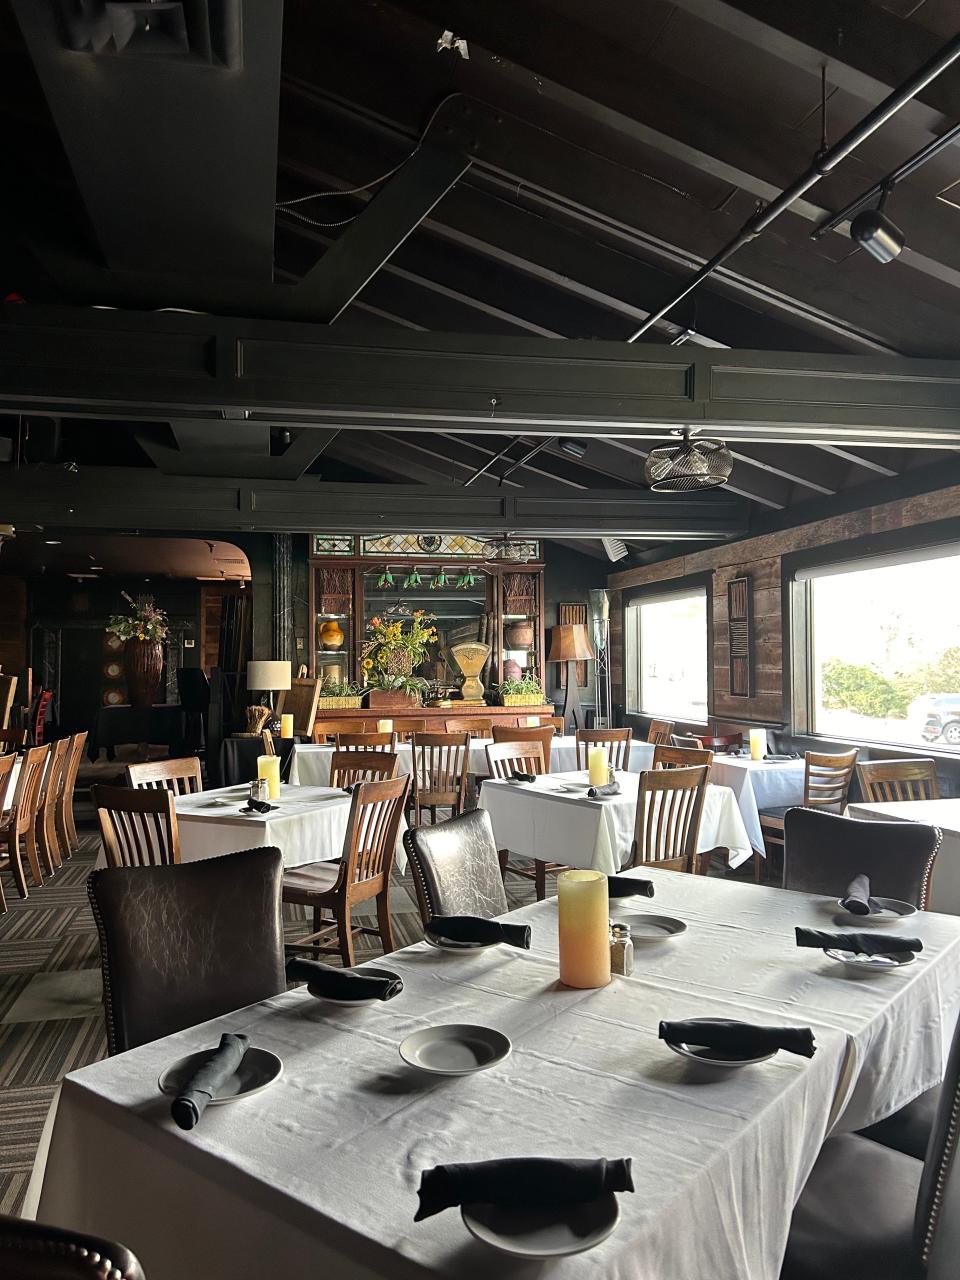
(138, 826)
(544, 735)
(506, 758)
(440, 763)
(827, 779)
(680, 757)
(669, 809)
(476, 726)
(616, 741)
(369, 846)
(659, 732)
(366, 741)
(26, 793)
(325, 729)
(348, 767)
(886, 780)
(180, 777)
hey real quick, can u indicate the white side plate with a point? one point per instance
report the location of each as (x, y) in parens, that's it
(457, 1049)
(259, 1069)
(543, 1233)
(652, 928)
(860, 963)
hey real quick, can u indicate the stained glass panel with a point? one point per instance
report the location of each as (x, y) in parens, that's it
(332, 546)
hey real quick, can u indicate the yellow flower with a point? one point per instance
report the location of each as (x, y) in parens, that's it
(141, 636)
(368, 664)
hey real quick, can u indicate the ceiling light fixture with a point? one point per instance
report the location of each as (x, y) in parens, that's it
(52, 542)
(575, 448)
(509, 548)
(691, 464)
(880, 237)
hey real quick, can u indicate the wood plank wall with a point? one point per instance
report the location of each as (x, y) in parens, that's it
(761, 558)
(13, 619)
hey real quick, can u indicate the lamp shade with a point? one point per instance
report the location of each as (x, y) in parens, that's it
(569, 643)
(268, 676)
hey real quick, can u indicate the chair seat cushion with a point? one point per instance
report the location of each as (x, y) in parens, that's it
(908, 1130)
(312, 878)
(854, 1220)
(776, 811)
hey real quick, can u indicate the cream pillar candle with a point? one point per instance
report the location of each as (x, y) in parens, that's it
(269, 767)
(583, 905)
(286, 726)
(597, 765)
(533, 722)
(384, 726)
(758, 744)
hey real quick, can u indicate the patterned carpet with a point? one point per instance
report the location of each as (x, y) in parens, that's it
(50, 1017)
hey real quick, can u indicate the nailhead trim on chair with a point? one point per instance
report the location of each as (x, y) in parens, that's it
(105, 967)
(928, 870)
(105, 1270)
(946, 1159)
(418, 875)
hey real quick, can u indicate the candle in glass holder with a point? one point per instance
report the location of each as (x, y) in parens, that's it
(597, 765)
(384, 726)
(758, 744)
(286, 726)
(269, 767)
(583, 906)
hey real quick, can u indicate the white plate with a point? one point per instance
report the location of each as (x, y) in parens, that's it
(368, 971)
(449, 945)
(860, 963)
(517, 782)
(713, 1058)
(892, 911)
(543, 1233)
(457, 1049)
(258, 1070)
(652, 928)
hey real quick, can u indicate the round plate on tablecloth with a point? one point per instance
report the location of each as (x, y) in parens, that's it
(259, 1069)
(543, 1233)
(369, 972)
(447, 944)
(892, 911)
(652, 928)
(857, 962)
(705, 1057)
(457, 1049)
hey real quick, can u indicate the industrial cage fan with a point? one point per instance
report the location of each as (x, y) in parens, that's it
(690, 464)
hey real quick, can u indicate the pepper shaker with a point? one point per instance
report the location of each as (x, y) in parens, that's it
(621, 950)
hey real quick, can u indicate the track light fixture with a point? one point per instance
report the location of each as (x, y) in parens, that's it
(575, 448)
(874, 231)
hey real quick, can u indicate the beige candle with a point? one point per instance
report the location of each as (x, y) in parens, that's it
(758, 744)
(583, 905)
(533, 722)
(286, 726)
(384, 726)
(269, 767)
(597, 766)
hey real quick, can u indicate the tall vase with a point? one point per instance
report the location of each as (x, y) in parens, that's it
(143, 671)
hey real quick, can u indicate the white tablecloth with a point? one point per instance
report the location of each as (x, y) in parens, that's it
(945, 814)
(759, 784)
(537, 822)
(309, 825)
(310, 763)
(12, 784)
(318, 1174)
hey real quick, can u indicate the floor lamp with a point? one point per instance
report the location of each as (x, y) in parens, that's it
(569, 644)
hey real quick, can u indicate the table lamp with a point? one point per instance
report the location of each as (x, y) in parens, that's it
(268, 678)
(569, 644)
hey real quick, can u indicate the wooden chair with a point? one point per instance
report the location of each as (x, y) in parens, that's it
(13, 739)
(680, 757)
(38, 718)
(405, 729)
(440, 763)
(266, 737)
(6, 773)
(8, 689)
(181, 777)
(324, 730)
(476, 726)
(362, 873)
(348, 767)
(544, 735)
(669, 809)
(366, 742)
(66, 826)
(19, 822)
(503, 760)
(883, 781)
(826, 781)
(138, 826)
(659, 732)
(686, 740)
(301, 701)
(555, 721)
(50, 787)
(722, 742)
(456, 870)
(616, 741)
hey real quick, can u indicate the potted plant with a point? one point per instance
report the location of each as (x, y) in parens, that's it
(336, 694)
(143, 632)
(525, 692)
(394, 648)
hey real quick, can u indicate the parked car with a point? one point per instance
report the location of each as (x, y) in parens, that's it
(941, 720)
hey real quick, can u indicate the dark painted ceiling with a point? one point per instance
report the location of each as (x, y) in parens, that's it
(614, 148)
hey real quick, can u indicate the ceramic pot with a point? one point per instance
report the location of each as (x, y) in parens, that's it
(331, 635)
(519, 635)
(143, 671)
(512, 669)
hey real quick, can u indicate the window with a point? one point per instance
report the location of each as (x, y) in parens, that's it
(879, 642)
(666, 655)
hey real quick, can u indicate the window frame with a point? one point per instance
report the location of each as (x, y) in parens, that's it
(796, 594)
(650, 593)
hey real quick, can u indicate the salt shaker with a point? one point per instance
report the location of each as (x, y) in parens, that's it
(256, 789)
(621, 950)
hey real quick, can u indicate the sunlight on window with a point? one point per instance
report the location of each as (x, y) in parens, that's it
(667, 656)
(885, 653)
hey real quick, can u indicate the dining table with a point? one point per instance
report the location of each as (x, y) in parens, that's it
(310, 762)
(540, 819)
(943, 813)
(317, 1174)
(308, 824)
(759, 784)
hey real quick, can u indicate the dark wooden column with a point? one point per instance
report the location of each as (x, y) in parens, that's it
(283, 648)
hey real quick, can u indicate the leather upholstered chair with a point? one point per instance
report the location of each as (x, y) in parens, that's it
(31, 1251)
(185, 942)
(868, 1212)
(824, 851)
(456, 869)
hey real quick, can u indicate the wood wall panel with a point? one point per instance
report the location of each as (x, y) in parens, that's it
(13, 619)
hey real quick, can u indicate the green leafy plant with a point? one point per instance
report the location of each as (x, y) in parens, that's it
(525, 684)
(144, 622)
(866, 691)
(340, 689)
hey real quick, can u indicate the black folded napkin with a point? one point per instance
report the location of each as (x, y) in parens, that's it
(524, 1182)
(190, 1104)
(350, 788)
(523, 777)
(606, 789)
(476, 929)
(258, 806)
(626, 887)
(739, 1039)
(342, 984)
(867, 944)
(858, 900)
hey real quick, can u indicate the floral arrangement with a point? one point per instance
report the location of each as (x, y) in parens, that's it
(392, 651)
(144, 622)
(526, 684)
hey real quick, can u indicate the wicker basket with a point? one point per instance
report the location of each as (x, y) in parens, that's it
(400, 663)
(522, 699)
(338, 703)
